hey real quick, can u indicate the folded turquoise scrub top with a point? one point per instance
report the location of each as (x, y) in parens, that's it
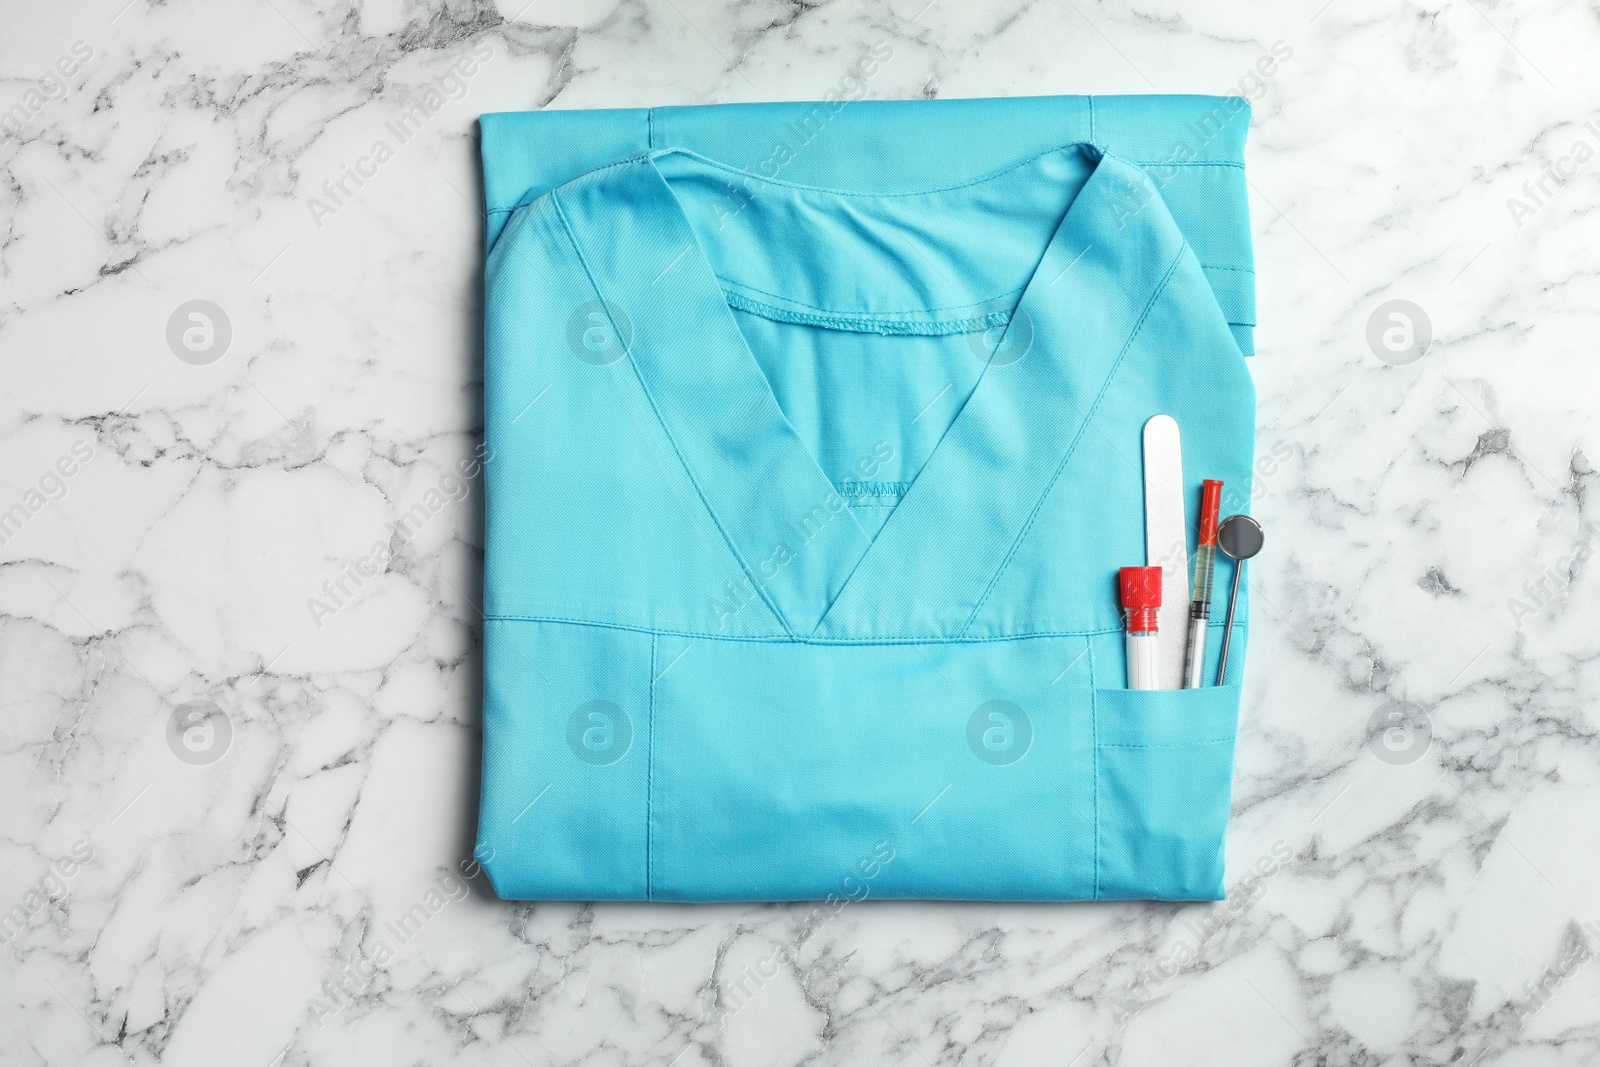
(813, 453)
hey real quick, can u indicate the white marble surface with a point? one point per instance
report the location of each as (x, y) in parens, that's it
(182, 913)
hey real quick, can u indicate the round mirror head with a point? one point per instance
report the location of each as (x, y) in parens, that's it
(1240, 536)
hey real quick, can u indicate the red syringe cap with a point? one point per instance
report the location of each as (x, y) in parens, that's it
(1141, 596)
(1210, 510)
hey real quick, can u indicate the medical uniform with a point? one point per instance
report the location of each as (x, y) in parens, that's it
(813, 451)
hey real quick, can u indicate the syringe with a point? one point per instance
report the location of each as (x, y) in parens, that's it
(1205, 562)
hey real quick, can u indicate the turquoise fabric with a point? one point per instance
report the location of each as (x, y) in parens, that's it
(813, 451)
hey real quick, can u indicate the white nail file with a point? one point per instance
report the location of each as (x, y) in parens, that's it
(1166, 544)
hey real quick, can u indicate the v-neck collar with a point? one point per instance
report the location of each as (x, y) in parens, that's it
(821, 574)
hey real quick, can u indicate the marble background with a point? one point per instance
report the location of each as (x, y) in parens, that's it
(1417, 800)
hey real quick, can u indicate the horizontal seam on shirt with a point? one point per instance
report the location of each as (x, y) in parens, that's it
(876, 321)
(1175, 744)
(869, 322)
(969, 183)
(1213, 624)
(1191, 163)
(636, 627)
(810, 314)
(1013, 292)
(781, 639)
(921, 192)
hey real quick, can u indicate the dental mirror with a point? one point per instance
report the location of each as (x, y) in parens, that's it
(1240, 537)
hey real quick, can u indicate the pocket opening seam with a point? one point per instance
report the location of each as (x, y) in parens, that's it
(650, 782)
(1178, 744)
(1094, 755)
